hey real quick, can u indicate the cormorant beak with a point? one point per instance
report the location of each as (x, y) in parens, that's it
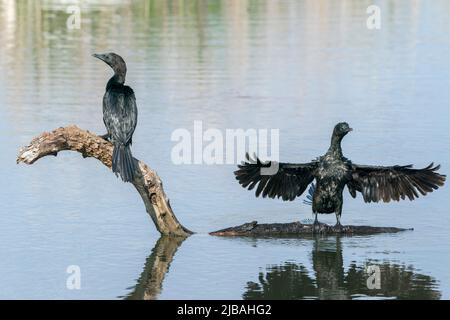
(99, 56)
(349, 129)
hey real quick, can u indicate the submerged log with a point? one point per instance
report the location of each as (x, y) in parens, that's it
(299, 229)
(147, 182)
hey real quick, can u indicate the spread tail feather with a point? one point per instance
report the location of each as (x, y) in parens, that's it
(310, 195)
(123, 163)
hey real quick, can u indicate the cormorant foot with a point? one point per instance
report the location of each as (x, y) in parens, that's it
(339, 228)
(316, 227)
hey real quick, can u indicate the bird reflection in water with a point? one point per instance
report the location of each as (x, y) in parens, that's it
(327, 280)
(330, 281)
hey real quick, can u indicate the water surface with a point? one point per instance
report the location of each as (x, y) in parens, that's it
(297, 66)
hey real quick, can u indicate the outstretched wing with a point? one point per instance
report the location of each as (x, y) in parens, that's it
(120, 113)
(393, 183)
(289, 182)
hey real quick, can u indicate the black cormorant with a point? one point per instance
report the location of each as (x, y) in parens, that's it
(120, 117)
(332, 172)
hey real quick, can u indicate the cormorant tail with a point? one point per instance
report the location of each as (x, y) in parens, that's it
(123, 163)
(309, 196)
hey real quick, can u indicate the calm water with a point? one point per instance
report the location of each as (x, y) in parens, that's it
(300, 66)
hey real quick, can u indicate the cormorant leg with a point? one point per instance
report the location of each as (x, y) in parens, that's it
(338, 219)
(338, 226)
(316, 224)
(105, 137)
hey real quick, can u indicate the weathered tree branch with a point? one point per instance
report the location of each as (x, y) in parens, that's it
(147, 183)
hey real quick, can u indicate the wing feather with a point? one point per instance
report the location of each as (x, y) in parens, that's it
(289, 182)
(120, 113)
(377, 183)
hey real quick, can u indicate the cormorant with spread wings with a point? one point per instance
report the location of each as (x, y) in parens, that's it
(332, 172)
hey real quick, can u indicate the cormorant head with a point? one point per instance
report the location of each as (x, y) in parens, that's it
(115, 62)
(341, 129)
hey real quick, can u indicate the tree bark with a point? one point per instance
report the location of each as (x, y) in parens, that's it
(147, 182)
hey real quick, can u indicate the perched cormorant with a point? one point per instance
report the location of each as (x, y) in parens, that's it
(332, 173)
(119, 116)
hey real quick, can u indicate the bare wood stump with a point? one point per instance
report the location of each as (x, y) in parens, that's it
(147, 182)
(297, 228)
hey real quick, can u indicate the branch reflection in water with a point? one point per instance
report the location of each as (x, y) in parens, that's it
(149, 284)
(328, 279)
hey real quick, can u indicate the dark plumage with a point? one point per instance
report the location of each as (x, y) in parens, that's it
(119, 117)
(332, 172)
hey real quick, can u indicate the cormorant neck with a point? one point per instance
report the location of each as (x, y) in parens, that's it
(119, 77)
(335, 146)
(115, 80)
